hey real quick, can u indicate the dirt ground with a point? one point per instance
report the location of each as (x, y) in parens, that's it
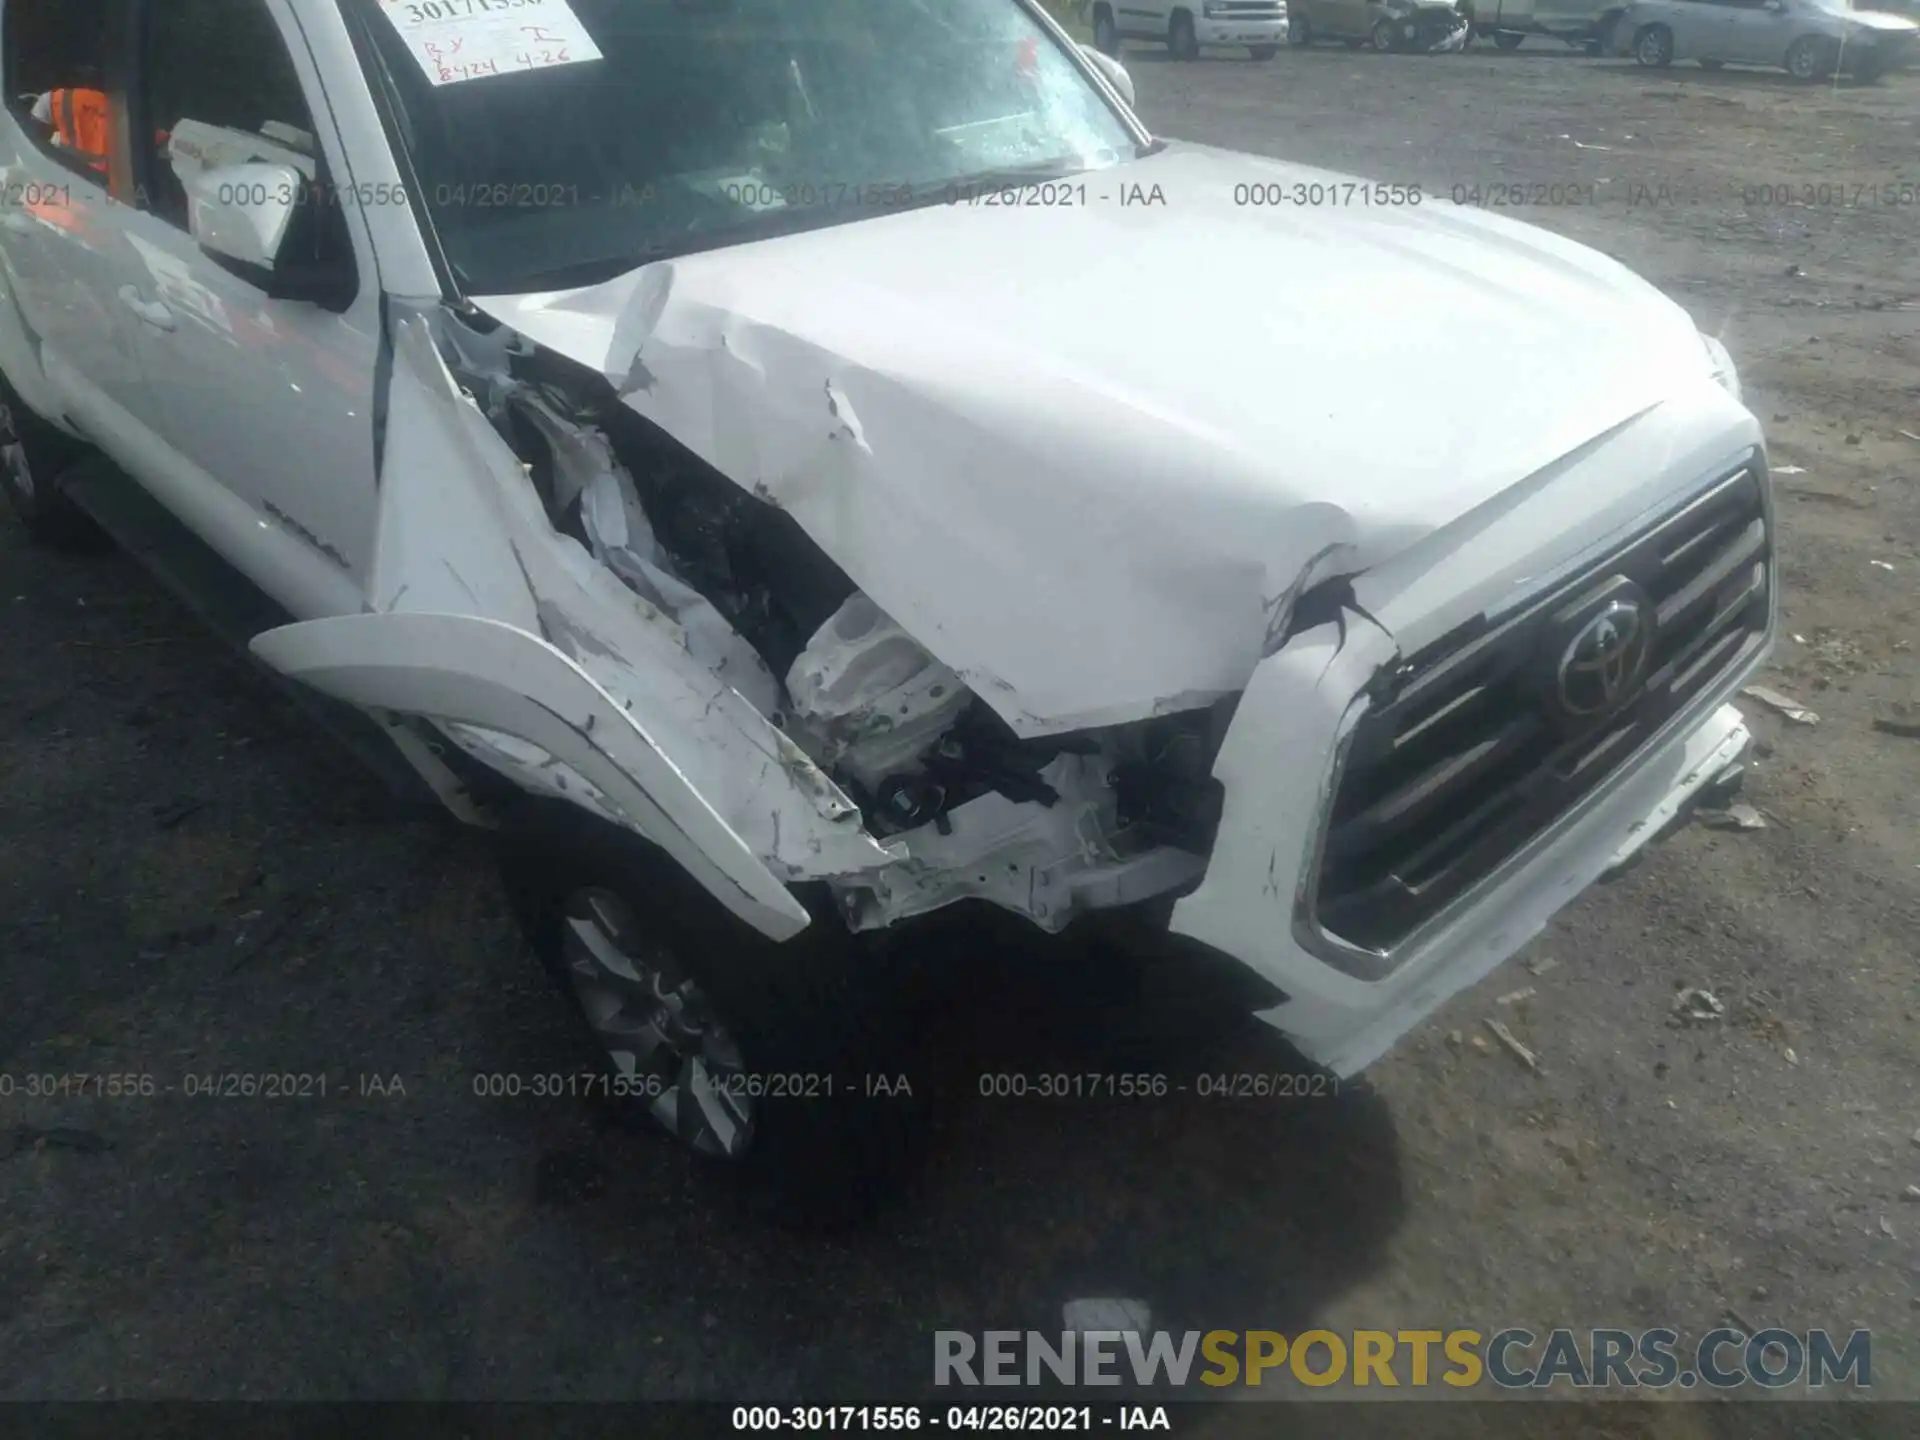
(192, 881)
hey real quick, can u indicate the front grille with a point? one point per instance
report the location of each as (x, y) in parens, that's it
(1476, 749)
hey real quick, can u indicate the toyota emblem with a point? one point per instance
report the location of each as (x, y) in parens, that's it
(1606, 658)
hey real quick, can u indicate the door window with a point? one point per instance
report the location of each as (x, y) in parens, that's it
(217, 75)
(63, 81)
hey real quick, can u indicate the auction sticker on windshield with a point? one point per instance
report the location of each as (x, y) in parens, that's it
(457, 40)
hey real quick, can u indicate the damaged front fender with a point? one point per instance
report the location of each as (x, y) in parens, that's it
(507, 634)
(479, 672)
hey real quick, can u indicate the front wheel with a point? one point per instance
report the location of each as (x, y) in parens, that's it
(1385, 37)
(1809, 58)
(788, 1066)
(1298, 31)
(1106, 34)
(1263, 52)
(1182, 42)
(1653, 47)
(1509, 39)
(33, 454)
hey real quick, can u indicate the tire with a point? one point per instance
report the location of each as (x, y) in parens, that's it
(1869, 71)
(1592, 49)
(1385, 37)
(1263, 52)
(1509, 39)
(33, 455)
(1653, 46)
(1299, 32)
(1106, 35)
(1809, 58)
(1182, 42)
(1711, 65)
(821, 1005)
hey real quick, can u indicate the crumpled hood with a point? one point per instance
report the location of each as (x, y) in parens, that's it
(1087, 452)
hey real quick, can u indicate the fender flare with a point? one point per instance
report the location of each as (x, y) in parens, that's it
(477, 671)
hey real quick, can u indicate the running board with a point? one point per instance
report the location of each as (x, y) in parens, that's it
(231, 606)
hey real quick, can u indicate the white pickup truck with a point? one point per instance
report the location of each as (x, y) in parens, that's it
(1185, 28)
(703, 442)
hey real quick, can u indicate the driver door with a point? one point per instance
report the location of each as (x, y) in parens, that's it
(64, 255)
(270, 399)
(1753, 32)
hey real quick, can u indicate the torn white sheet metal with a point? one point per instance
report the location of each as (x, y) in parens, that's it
(866, 696)
(1047, 862)
(1086, 495)
(622, 539)
(461, 532)
(535, 769)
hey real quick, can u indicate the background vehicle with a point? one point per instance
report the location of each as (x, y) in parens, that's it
(1587, 23)
(1185, 28)
(1419, 25)
(1809, 39)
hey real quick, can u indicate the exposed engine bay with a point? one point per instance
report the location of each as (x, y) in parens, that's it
(1048, 827)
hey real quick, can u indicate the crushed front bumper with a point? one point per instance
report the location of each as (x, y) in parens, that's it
(1451, 902)
(1249, 904)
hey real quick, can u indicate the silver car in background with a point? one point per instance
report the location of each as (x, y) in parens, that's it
(1809, 39)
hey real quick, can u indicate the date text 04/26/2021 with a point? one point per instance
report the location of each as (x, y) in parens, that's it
(1102, 1085)
(962, 1419)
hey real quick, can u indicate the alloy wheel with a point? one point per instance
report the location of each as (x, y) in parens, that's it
(669, 1049)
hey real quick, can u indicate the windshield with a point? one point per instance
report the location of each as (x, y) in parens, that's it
(705, 122)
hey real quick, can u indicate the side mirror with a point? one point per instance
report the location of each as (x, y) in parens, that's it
(242, 215)
(1115, 72)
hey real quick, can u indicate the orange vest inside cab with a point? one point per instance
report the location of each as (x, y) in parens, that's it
(84, 122)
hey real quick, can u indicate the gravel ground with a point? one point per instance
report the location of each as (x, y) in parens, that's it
(192, 881)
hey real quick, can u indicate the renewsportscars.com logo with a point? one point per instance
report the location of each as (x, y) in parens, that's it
(1510, 1359)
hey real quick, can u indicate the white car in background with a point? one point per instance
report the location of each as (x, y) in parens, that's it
(1809, 39)
(702, 444)
(1186, 28)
